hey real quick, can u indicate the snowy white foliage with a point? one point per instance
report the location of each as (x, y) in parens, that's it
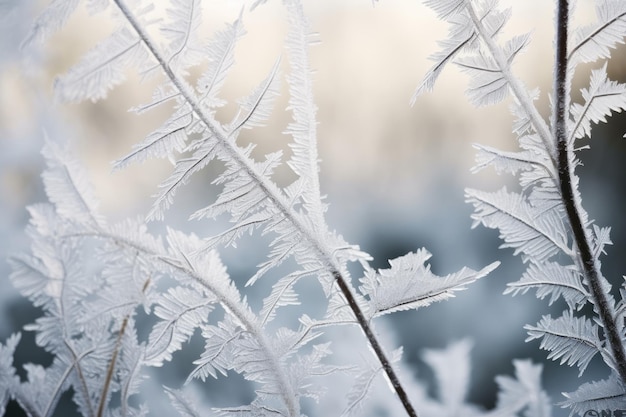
(94, 281)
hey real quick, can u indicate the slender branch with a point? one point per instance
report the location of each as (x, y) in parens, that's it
(278, 200)
(587, 260)
(378, 349)
(111, 368)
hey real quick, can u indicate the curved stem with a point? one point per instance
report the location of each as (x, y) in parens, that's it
(587, 260)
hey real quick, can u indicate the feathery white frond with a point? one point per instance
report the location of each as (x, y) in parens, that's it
(602, 98)
(595, 41)
(52, 19)
(461, 36)
(488, 85)
(446, 9)
(256, 108)
(409, 284)
(67, 187)
(181, 31)
(503, 161)
(181, 402)
(573, 340)
(101, 68)
(554, 280)
(180, 311)
(602, 238)
(163, 142)
(207, 150)
(303, 128)
(221, 56)
(607, 394)
(535, 233)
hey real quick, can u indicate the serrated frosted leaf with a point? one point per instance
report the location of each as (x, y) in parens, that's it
(502, 161)
(51, 19)
(535, 233)
(445, 8)
(180, 312)
(282, 294)
(523, 124)
(303, 128)
(221, 53)
(163, 142)
(607, 394)
(573, 340)
(181, 29)
(184, 170)
(596, 40)
(487, 85)
(181, 402)
(409, 284)
(101, 68)
(256, 109)
(554, 280)
(242, 197)
(602, 238)
(67, 187)
(601, 99)
(460, 37)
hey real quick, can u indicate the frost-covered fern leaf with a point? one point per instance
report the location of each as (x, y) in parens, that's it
(536, 233)
(181, 403)
(101, 68)
(184, 48)
(553, 280)
(472, 22)
(608, 394)
(595, 41)
(601, 99)
(573, 340)
(409, 284)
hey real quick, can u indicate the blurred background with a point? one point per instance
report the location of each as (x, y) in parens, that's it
(394, 175)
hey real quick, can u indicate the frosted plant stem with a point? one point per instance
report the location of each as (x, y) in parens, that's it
(324, 255)
(111, 368)
(587, 260)
(380, 353)
(517, 88)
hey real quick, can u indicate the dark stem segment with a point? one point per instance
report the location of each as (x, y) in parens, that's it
(587, 260)
(378, 349)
